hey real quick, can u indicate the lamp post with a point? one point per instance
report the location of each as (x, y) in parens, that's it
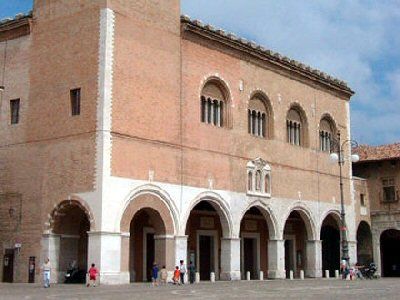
(338, 156)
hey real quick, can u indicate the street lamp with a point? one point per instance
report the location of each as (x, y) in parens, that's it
(338, 156)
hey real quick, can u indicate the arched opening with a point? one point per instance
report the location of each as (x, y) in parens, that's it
(295, 236)
(330, 239)
(213, 103)
(259, 114)
(390, 249)
(70, 227)
(204, 231)
(327, 131)
(145, 248)
(296, 126)
(147, 236)
(254, 235)
(364, 244)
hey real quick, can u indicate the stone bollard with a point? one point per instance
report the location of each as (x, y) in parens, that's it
(291, 275)
(247, 275)
(212, 277)
(337, 274)
(197, 277)
(302, 274)
(327, 274)
(261, 275)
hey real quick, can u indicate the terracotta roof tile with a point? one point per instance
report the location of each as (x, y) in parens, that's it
(374, 153)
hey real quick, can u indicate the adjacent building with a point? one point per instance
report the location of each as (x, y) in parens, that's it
(131, 134)
(379, 167)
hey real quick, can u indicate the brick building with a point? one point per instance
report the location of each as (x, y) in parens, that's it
(379, 166)
(130, 134)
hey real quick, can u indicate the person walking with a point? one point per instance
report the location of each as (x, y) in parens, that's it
(192, 272)
(46, 268)
(163, 276)
(93, 272)
(154, 275)
(182, 270)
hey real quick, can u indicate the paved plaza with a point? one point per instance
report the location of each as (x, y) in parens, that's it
(278, 289)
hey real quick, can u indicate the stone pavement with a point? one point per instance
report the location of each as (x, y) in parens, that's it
(277, 289)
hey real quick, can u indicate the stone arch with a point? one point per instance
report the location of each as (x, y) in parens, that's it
(160, 194)
(73, 201)
(329, 234)
(155, 204)
(307, 218)
(65, 240)
(219, 204)
(335, 214)
(268, 215)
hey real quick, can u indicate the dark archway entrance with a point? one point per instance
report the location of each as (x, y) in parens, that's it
(71, 224)
(254, 235)
(295, 236)
(330, 237)
(390, 249)
(146, 245)
(204, 233)
(364, 244)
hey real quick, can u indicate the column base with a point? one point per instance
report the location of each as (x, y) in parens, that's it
(313, 273)
(230, 276)
(114, 278)
(276, 274)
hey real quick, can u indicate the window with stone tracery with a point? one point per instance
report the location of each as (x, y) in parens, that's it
(213, 104)
(258, 116)
(259, 178)
(326, 132)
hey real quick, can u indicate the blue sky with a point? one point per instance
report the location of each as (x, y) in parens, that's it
(355, 40)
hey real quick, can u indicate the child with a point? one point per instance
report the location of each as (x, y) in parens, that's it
(177, 276)
(154, 275)
(163, 276)
(92, 276)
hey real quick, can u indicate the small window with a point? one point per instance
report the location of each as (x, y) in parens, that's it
(389, 190)
(75, 96)
(14, 109)
(362, 199)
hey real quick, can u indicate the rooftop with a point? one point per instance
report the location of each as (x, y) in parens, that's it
(233, 40)
(377, 153)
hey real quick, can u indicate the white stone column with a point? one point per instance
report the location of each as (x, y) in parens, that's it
(276, 259)
(314, 259)
(51, 250)
(376, 252)
(104, 250)
(181, 249)
(230, 259)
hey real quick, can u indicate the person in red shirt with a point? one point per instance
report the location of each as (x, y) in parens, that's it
(177, 275)
(93, 272)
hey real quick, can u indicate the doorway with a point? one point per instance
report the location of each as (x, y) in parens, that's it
(8, 266)
(206, 263)
(250, 257)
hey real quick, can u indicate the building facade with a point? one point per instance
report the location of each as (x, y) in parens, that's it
(130, 134)
(379, 167)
